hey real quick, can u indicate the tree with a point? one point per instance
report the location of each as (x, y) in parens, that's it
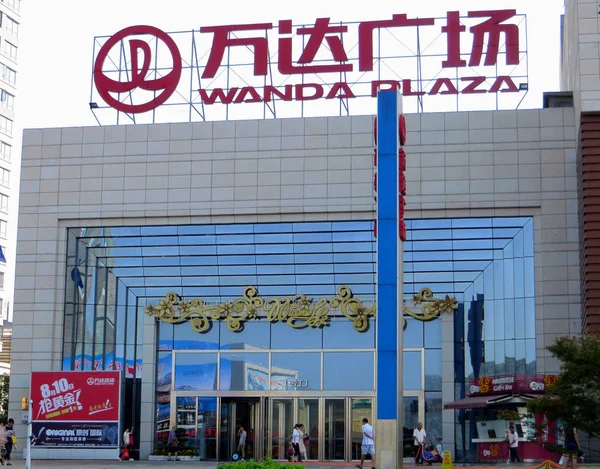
(4, 387)
(575, 397)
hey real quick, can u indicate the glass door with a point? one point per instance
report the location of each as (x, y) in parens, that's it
(361, 409)
(414, 412)
(206, 435)
(235, 414)
(186, 422)
(281, 427)
(226, 431)
(335, 429)
(308, 415)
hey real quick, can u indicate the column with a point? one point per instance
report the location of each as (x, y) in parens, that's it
(389, 223)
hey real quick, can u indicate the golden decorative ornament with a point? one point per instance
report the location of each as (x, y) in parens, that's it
(298, 312)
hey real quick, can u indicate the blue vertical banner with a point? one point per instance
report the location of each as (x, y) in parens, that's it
(390, 231)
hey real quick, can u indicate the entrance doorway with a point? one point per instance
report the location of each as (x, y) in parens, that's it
(236, 413)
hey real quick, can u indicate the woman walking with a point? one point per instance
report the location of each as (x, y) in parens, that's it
(571, 440)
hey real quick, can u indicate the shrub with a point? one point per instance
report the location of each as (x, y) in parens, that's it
(180, 452)
(258, 465)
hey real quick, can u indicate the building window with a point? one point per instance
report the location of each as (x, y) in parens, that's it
(1, 280)
(5, 151)
(9, 75)
(10, 25)
(4, 203)
(13, 4)
(3, 228)
(6, 125)
(10, 50)
(7, 99)
(4, 176)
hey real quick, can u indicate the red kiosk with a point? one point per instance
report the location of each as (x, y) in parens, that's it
(490, 394)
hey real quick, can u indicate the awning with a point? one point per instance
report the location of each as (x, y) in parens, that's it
(475, 402)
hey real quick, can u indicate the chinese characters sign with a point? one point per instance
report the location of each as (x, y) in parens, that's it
(475, 53)
(63, 399)
(507, 384)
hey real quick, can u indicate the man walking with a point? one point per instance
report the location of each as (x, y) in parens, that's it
(419, 437)
(242, 443)
(368, 443)
(513, 441)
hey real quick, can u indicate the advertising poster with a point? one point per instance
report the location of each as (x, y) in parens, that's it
(76, 408)
(75, 434)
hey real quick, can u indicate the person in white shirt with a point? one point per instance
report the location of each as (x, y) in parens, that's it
(419, 437)
(513, 441)
(296, 443)
(368, 443)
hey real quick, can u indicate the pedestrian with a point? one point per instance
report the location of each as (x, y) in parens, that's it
(3, 440)
(11, 438)
(368, 443)
(513, 442)
(303, 441)
(173, 444)
(419, 437)
(571, 440)
(242, 443)
(296, 443)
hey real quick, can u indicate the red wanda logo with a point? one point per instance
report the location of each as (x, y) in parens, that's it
(166, 84)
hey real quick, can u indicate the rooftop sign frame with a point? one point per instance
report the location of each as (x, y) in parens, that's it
(477, 60)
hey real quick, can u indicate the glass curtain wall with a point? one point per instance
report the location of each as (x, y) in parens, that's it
(114, 273)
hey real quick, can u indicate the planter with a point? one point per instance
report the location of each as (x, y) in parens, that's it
(154, 457)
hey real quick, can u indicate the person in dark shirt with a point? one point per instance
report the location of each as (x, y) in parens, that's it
(10, 432)
(571, 440)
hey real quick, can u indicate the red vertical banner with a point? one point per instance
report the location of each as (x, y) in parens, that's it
(375, 172)
(401, 176)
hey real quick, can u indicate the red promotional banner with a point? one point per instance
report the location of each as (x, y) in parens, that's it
(519, 383)
(88, 396)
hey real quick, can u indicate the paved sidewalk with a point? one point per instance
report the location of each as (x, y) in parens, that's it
(43, 464)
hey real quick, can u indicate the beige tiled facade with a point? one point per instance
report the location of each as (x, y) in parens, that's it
(507, 163)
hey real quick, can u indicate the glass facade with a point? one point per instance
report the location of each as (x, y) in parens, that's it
(324, 376)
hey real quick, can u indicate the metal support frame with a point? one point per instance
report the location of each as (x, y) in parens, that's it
(196, 110)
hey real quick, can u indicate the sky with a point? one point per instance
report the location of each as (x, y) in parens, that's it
(57, 36)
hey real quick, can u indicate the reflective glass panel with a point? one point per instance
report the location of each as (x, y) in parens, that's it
(281, 427)
(207, 428)
(254, 335)
(185, 338)
(283, 336)
(361, 409)
(298, 371)
(337, 334)
(335, 429)
(308, 415)
(195, 372)
(413, 370)
(244, 372)
(164, 372)
(433, 415)
(341, 370)
(433, 370)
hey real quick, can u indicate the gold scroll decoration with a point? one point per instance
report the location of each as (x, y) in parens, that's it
(298, 311)
(431, 308)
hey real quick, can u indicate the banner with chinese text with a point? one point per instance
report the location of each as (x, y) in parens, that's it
(76, 434)
(75, 396)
